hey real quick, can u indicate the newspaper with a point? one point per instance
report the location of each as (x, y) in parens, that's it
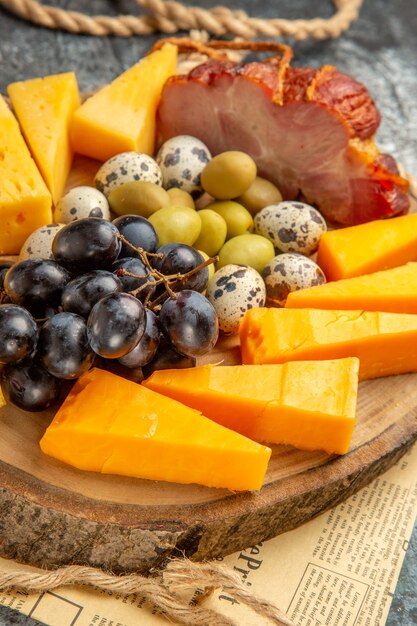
(339, 569)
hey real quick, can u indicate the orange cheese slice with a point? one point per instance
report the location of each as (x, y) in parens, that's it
(368, 248)
(392, 291)
(310, 405)
(111, 425)
(44, 108)
(25, 202)
(121, 116)
(2, 400)
(385, 343)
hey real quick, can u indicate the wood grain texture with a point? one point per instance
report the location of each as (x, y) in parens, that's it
(52, 514)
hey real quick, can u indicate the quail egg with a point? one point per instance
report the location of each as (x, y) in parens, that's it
(291, 226)
(289, 272)
(39, 243)
(182, 159)
(81, 202)
(125, 167)
(232, 291)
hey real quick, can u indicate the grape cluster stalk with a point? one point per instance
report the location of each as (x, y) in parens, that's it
(154, 278)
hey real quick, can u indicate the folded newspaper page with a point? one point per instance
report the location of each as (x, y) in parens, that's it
(339, 569)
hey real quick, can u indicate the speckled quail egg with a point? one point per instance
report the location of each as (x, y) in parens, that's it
(81, 202)
(232, 291)
(39, 243)
(125, 167)
(291, 226)
(289, 272)
(182, 159)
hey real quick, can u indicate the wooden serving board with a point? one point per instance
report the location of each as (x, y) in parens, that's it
(52, 514)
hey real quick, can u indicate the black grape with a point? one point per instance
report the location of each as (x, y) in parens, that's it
(115, 367)
(145, 350)
(18, 333)
(36, 285)
(29, 386)
(139, 232)
(87, 244)
(4, 267)
(115, 325)
(63, 346)
(167, 358)
(3, 272)
(180, 258)
(190, 322)
(134, 266)
(82, 293)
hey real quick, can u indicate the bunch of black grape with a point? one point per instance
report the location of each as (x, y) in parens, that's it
(109, 298)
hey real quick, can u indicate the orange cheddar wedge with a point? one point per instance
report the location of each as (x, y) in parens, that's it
(392, 291)
(44, 108)
(111, 425)
(385, 343)
(368, 248)
(122, 116)
(310, 405)
(25, 202)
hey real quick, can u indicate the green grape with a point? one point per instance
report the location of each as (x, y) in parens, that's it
(210, 267)
(176, 224)
(213, 232)
(138, 197)
(237, 218)
(179, 197)
(260, 194)
(252, 250)
(228, 175)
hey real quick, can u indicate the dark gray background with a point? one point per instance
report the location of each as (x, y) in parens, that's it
(380, 49)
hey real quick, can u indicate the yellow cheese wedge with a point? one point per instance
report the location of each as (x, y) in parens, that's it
(44, 108)
(392, 291)
(308, 404)
(25, 202)
(385, 343)
(121, 116)
(111, 425)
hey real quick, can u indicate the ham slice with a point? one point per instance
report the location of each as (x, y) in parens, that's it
(310, 132)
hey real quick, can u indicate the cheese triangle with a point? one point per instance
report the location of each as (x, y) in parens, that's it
(44, 108)
(392, 291)
(111, 425)
(25, 202)
(384, 343)
(120, 117)
(368, 248)
(310, 405)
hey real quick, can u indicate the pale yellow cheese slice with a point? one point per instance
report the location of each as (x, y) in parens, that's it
(121, 116)
(44, 108)
(25, 202)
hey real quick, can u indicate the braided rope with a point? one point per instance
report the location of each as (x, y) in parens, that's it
(168, 592)
(170, 16)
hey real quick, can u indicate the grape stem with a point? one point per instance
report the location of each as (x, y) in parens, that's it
(169, 281)
(144, 254)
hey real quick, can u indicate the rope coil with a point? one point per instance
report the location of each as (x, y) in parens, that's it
(170, 16)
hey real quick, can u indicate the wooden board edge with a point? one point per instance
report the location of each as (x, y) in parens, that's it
(51, 536)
